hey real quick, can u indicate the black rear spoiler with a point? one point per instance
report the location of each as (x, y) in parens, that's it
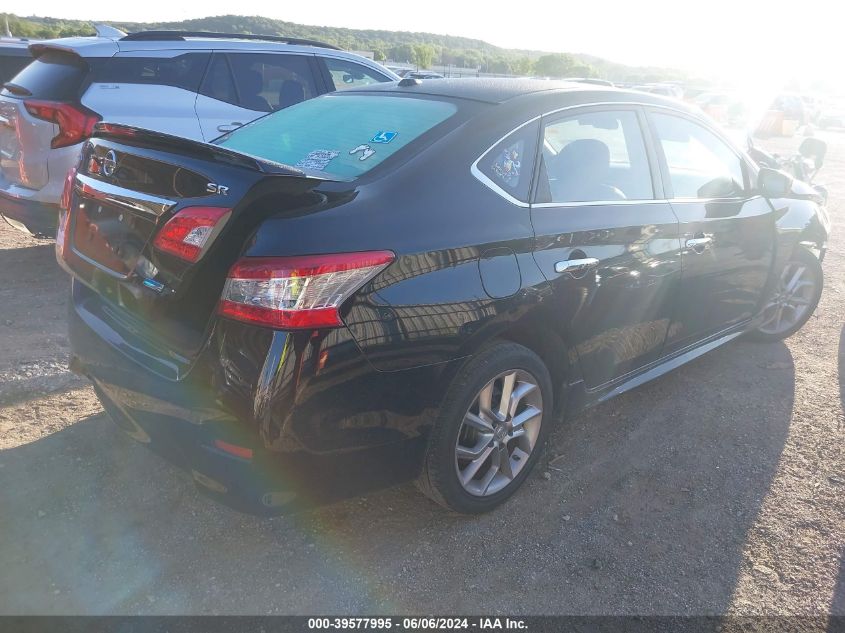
(141, 137)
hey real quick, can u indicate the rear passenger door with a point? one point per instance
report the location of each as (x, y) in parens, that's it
(606, 241)
(155, 90)
(726, 228)
(240, 87)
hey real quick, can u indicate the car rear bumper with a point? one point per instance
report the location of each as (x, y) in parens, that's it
(30, 216)
(300, 440)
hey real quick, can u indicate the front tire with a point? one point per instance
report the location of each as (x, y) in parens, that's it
(796, 296)
(490, 430)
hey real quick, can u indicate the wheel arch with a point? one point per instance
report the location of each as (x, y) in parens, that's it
(552, 350)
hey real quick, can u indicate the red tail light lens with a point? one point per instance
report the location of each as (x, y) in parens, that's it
(297, 292)
(233, 449)
(76, 122)
(188, 233)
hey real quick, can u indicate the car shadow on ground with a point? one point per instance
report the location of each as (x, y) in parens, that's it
(644, 509)
(36, 263)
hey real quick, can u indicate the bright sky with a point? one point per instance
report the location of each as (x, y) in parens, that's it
(771, 39)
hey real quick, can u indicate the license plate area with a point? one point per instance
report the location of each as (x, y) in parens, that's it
(109, 235)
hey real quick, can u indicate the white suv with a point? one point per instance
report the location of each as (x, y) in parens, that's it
(195, 85)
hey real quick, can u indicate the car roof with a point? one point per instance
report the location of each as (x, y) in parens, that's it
(499, 90)
(15, 46)
(98, 46)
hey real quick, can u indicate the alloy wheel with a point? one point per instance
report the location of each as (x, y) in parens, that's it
(791, 301)
(499, 432)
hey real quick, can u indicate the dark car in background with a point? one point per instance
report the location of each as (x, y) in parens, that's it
(416, 281)
(422, 74)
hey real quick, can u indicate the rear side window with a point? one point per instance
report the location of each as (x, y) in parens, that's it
(183, 71)
(594, 157)
(53, 75)
(510, 164)
(344, 136)
(345, 74)
(219, 83)
(261, 82)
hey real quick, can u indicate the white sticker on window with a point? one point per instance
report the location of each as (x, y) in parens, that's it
(317, 159)
(365, 150)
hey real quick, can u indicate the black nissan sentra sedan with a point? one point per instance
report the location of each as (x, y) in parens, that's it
(417, 281)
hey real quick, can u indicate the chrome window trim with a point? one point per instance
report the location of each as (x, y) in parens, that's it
(596, 203)
(483, 179)
(487, 182)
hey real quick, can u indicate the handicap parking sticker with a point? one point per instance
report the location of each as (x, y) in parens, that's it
(384, 137)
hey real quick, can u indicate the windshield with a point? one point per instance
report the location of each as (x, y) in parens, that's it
(344, 136)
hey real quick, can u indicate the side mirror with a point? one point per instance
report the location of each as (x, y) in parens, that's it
(814, 149)
(773, 183)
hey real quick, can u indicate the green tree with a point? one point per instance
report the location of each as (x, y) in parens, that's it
(471, 58)
(523, 66)
(557, 65)
(423, 55)
(402, 53)
(499, 65)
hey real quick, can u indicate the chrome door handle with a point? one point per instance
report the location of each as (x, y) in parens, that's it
(576, 267)
(234, 125)
(699, 244)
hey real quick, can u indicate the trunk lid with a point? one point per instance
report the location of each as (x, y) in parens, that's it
(129, 184)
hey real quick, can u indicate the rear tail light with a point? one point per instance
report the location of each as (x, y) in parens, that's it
(297, 292)
(76, 122)
(64, 212)
(188, 233)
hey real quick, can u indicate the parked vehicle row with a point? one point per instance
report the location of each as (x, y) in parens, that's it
(417, 280)
(832, 113)
(195, 85)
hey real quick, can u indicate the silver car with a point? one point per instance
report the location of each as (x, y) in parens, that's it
(190, 84)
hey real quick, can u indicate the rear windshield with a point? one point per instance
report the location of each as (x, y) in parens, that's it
(344, 136)
(53, 75)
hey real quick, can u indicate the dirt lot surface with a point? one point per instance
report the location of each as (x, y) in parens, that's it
(719, 488)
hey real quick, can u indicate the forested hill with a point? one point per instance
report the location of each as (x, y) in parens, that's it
(421, 49)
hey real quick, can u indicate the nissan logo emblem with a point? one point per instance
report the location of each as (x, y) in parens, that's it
(109, 163)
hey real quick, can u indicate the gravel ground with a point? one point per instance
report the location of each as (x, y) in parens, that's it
(716, 489)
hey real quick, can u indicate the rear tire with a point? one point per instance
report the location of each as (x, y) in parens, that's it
(795, 298)
(481, 450)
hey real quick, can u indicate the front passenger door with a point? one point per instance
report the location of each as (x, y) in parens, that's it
(606, 241)
(727, 230)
